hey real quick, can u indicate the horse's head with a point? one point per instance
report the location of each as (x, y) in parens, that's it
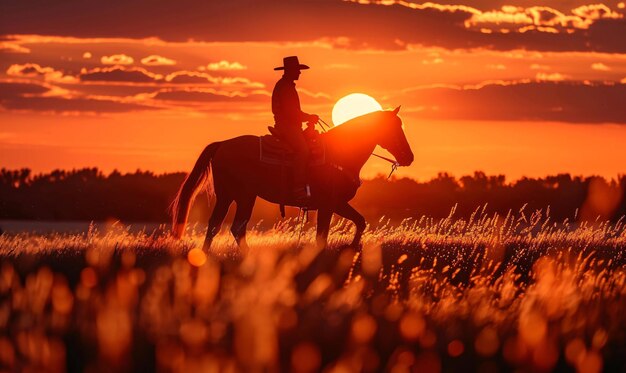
(393, 139)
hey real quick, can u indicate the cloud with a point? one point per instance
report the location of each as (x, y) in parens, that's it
(552, 77)
(155, 60)
(43, 97)
(35, 70)
(188, 77)
(536, 66)
(29, 69)
(114, 89)
(119, 74)
(542, 18)
(600, 66)
(596, 11)
(237, 81)
(25, 95)
(225, 65)
(433, 61)
(139, 75)
(314, 97)
(340, 66)
(72, 105)
(205, 95)
(87, 55)
(566, 101)
(346, 24)
(117, 59)
(9, 47)
(10, 89)
(195, 77)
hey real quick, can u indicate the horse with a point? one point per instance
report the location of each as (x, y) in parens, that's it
(239, 176)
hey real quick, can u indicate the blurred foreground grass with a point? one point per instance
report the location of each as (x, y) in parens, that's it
(485, 294)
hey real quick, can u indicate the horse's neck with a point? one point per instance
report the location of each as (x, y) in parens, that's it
(349, 146)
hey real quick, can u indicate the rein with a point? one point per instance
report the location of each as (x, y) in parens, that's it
(394, 164)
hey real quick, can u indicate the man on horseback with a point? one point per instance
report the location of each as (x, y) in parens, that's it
(288, 119)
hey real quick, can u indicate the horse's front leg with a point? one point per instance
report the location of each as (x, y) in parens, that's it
(324, 215)
(348, 212)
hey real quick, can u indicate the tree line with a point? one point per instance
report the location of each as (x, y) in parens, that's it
(89, 194)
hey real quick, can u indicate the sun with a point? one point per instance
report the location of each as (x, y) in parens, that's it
(352, 106)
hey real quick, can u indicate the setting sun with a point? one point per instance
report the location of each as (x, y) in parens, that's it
(352, 106)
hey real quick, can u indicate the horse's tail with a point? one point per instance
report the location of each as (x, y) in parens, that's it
(198, 178)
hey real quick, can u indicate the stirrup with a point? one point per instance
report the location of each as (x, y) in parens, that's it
(302, 195)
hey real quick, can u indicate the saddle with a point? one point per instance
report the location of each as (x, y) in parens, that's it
(276, 152)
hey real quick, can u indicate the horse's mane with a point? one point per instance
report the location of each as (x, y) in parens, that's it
(360, 121)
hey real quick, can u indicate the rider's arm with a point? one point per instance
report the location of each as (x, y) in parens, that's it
(304, 117)
(287, 104)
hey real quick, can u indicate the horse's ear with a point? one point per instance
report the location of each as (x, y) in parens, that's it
(396, 110)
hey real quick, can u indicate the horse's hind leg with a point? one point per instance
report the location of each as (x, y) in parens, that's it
(324, 216)
(348, 212)
(245, 203)
(220, 210)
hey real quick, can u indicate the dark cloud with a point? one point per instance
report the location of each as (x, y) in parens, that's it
(31, 96)
(346, 24)
(207, 96)
(139, 75)
(35, 70)
(43, 97)
(26, 70)
(202, 78)
(188, 77)
(119, 74)
(119, 90)
(61, 104)
(9, 90)
(562, 5)
(542, 101)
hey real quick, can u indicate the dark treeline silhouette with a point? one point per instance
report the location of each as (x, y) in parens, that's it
(89, 194)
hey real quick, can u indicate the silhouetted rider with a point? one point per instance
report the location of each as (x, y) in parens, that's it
(288, 119)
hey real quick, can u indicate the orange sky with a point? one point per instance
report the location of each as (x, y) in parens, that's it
(535, 91)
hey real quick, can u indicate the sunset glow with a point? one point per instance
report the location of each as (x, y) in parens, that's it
(313, 186)
(151, 96)
(352, 106)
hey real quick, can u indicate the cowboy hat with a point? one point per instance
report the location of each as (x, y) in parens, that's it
(291, 62)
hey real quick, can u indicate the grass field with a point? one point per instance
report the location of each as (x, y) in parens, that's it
(487, 294)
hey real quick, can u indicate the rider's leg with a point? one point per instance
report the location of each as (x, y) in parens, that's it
(295, 139)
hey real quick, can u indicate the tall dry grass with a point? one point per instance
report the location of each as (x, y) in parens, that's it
(489, 293)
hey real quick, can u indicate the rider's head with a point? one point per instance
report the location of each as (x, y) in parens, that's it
(292, 67)
(292, 74)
